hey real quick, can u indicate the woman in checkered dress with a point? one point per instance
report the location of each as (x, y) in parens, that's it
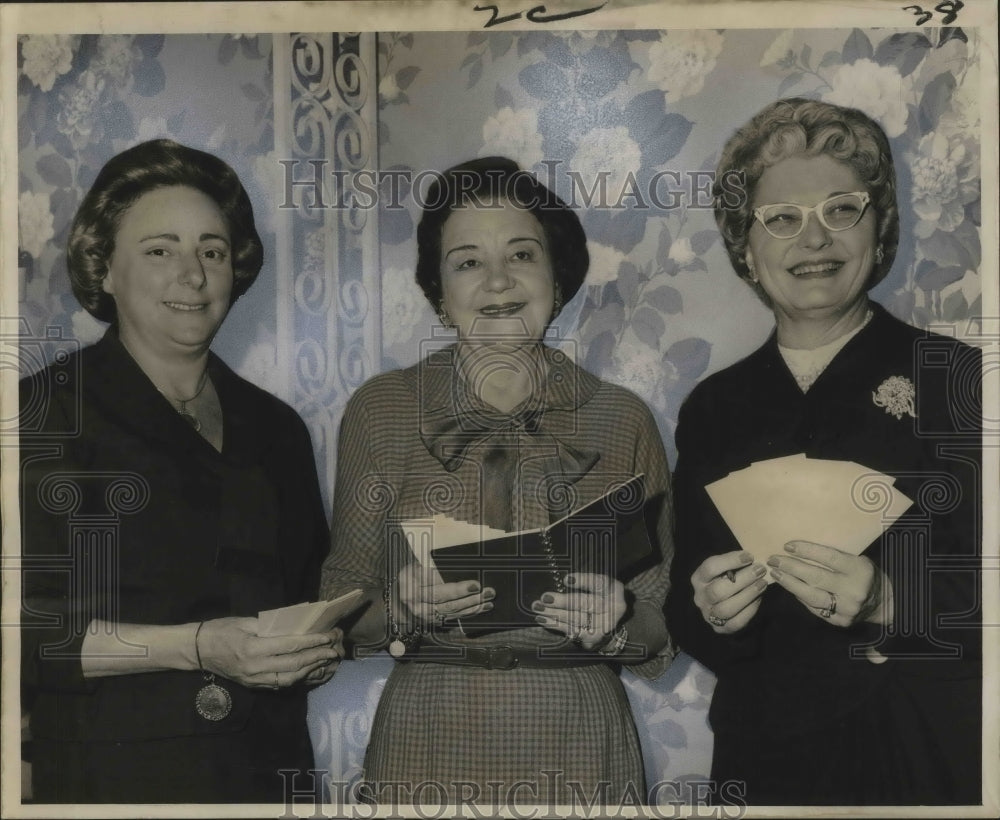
(503, 431)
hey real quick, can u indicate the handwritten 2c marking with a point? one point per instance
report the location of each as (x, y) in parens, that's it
(535, 14)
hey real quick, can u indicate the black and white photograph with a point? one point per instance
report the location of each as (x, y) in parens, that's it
(463, 408)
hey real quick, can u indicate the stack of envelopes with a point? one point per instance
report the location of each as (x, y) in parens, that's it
(794, 498)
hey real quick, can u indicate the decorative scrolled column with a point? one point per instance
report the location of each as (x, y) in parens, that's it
(328, 302)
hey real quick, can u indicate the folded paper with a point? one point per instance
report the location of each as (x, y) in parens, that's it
(794, 498)
(302, 619)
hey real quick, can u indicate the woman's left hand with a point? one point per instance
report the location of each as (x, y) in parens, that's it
(588, 612)
(321, 674)
(843, 589)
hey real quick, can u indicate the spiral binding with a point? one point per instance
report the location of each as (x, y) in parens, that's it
(557, 574)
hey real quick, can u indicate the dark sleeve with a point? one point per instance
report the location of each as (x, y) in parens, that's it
(303, 518)
(700, 532)
(933, 554)
(62, 583)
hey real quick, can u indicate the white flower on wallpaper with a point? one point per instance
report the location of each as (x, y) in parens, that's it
(116, 57)
(260, 364)
(658, 704)
(682, 252)
(964, 115)
(878, 90)
(402, 306)
(270, 176)
(216, 138)
(388, 88)
(34, 216)
(46, 58)
(513, 134)
(944, 181)
(641, 369)
(779, 50)
(679, 63)
(77, 117)
(86, 329)
(605, 263)
(606, 152)
(152, 128)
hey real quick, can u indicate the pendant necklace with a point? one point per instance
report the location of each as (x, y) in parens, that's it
(187, 415)
(213, 702)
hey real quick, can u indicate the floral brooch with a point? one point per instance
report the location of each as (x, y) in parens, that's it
(896, 394)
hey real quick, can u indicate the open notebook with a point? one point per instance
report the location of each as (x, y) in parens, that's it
(608, 536)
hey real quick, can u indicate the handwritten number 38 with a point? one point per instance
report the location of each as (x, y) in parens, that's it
(949, 9)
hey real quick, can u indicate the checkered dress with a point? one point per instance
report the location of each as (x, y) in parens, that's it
(559, 732)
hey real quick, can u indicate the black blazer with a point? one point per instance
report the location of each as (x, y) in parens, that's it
(129, 515)
(788, 662)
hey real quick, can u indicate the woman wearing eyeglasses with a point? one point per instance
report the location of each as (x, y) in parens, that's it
(849, 679)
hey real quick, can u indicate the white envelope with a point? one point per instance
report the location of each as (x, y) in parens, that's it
(838, 503)
(428, 534)
(301, 619)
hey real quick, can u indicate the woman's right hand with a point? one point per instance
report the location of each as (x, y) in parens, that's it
(727, 590)
(432, 601)
(231, 648)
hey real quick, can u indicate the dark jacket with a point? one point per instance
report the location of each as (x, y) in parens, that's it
(129, 515)
(793, 690)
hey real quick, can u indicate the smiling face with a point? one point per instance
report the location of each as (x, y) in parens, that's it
(819, 274)
(171, 273)
(496, 274)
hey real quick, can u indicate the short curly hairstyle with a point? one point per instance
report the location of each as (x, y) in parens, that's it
(122, 181)
(491, 179)
(799, 127)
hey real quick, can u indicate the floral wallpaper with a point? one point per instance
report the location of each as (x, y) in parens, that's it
(84, 98)
(661, 307)
(627, 125)
(624, 124)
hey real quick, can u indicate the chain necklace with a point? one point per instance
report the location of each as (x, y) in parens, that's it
(186, 414)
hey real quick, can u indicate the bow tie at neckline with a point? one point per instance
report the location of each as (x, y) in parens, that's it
(449, 433)
(453, 418)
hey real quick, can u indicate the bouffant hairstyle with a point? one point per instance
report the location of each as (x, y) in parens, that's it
(122, 181)
(801, 127)
(486, 181)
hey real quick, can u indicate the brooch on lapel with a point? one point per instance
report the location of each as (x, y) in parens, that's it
(896, 395)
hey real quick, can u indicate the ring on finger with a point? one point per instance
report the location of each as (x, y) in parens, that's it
(832, 608)
(589, 625)
(439, 617)
(716, 620)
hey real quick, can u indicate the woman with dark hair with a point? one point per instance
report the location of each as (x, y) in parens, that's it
(165, 502)
(851, 679)
(497, 430)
